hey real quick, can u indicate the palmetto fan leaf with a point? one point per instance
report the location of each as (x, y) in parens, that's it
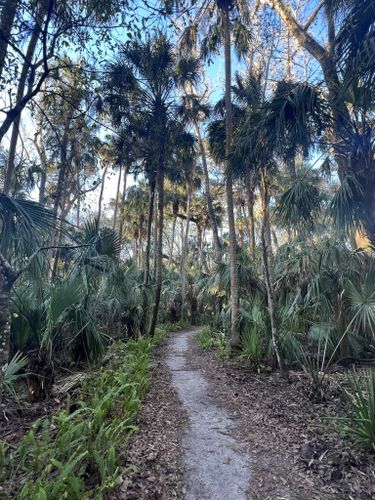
(25, 221)
(356, 28)
(295, 114)
(105, 241)
(362, 300)
(344, 207)
(299, 205)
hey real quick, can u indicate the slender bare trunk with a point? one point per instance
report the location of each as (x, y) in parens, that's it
(150, 216)
(78, 209)
(43, 170)
(269, 283)
(122, 204)
(8, 13)
(159, 249)
(100, 201)
(264, 199)
(207, 192)
(171, 247)
(184, 254)
(155, 235)
(7, 280)
(250, 187)
(117, 200)
(33, 88)
(234, 294)
(41, 10)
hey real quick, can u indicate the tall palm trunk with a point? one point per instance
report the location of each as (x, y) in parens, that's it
(150, 216)
(171, 247)
(43, 170)
(8, 13)
(41, 10)
(155, 235)
(269, 282)
(122, 204)
(264, 200)
(234, 297)
(250, 187)
(100, 201)
(207, 192)
(184, 254)
(117, 200)
(146, 256)
(159, 249)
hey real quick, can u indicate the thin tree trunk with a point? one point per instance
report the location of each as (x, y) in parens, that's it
(159, 252)
(146, 257)
(117, 199)
(43, 162)
(78, 209)
(266, 216)
(184, 254)
(155, 235)
(171, 247)
(41, 10)
(7, 280)
(140, 239)
(100, 202)
(32, 90)
(123, 198)
(234, 294)
(207, 191)
(250, 187)
(269, 283)
(8, 13)
(150, 216)
(42, 187)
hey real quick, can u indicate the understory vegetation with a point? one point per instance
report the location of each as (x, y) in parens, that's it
(78, 452)
(207, 162)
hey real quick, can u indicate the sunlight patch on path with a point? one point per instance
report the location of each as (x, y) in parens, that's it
(216, 466)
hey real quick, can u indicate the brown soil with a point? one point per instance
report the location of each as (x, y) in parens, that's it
(291, 440)
(153, 468)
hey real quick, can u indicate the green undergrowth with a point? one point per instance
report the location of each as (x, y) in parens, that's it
(208, 338)
(75, 454)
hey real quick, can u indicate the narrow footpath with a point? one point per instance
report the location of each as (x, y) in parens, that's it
(210, 430)
(216, 464)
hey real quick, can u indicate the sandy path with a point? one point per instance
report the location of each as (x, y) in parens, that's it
(216, 465)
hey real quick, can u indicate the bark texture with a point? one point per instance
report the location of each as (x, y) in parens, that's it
(234, 294)
(159, 249)
(8, 13)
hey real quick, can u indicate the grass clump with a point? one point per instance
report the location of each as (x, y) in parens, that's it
(360, 424)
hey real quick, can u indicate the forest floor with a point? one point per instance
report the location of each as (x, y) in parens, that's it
(212, 429)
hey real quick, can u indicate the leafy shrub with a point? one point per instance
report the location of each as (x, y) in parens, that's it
(360, 424)
(251, 348)
(208, 338)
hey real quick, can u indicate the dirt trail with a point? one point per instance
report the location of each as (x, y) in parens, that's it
(216, 464)
(210, 429)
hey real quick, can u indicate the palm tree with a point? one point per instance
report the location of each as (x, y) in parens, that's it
(25, 227)
(152, 73)
(225, 18)
(346, 61)
(196, 111)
